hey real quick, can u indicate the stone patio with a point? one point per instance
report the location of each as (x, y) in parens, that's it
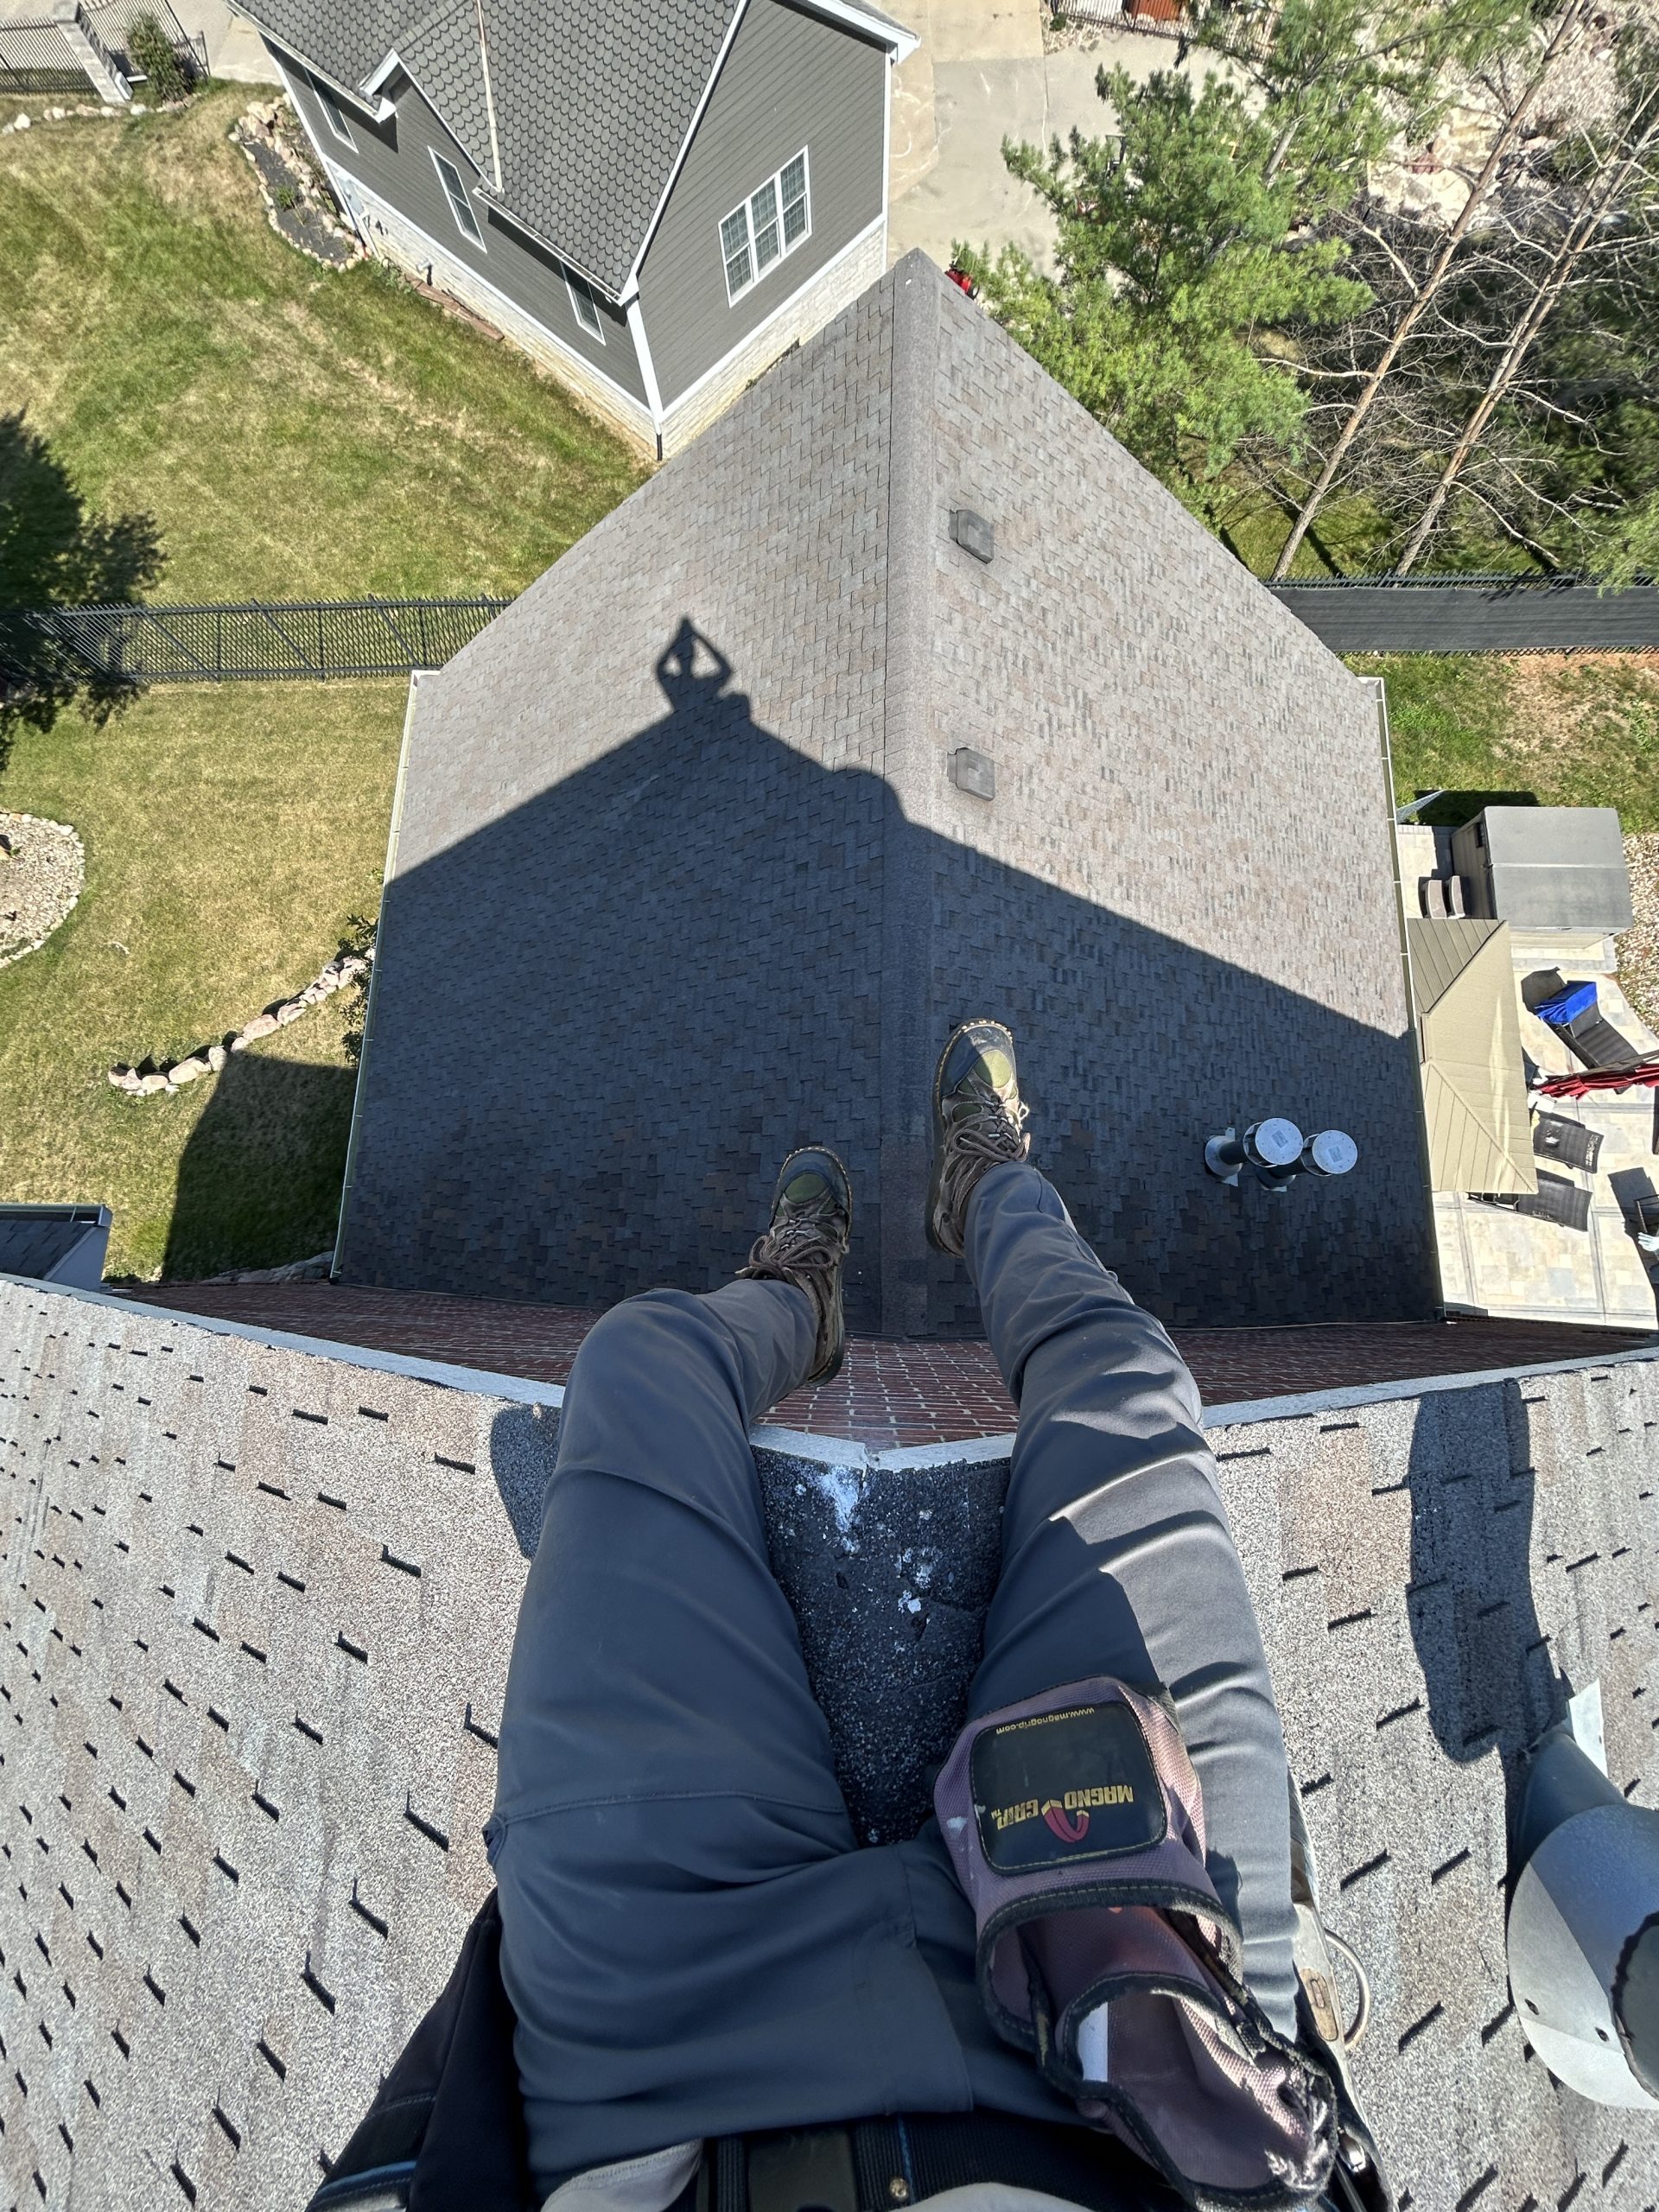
(1501, 1263)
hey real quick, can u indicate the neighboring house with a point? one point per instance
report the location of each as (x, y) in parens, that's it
(655, 201)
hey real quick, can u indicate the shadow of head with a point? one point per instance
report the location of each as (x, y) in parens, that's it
(1492, 1684)
(259, 1176)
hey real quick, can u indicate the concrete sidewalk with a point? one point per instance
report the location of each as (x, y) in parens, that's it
(980, 75)
(234, 47)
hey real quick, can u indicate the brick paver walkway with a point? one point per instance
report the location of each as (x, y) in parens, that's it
(892, 1392)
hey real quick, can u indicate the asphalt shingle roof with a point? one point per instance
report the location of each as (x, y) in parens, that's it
(443, 56)
(593, 98)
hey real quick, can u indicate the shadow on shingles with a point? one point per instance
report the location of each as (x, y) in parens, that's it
(1491, 1681)
(523, 1440)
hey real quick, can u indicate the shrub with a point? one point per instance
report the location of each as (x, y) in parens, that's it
(152, 53)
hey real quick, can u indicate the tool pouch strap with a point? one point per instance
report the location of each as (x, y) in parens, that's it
(1074, 1823)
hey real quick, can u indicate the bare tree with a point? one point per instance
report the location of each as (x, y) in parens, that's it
(1612, 168)
(1420, 294)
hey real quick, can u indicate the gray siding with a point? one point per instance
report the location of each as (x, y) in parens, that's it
(394, 160)
(790, 80)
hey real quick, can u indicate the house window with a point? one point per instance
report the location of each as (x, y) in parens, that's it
(583, 305)
(460, 206)
(334, 116)
(770, 223)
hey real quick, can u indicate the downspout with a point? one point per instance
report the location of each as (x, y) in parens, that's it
(489, 95)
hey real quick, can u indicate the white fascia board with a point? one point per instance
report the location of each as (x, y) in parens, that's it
(899, 42)
(352, 95)
(631, 282)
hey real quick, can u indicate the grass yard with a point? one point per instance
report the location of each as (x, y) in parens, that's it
(187, 403)
(290, 431)
(230, 833)
(1570, 729)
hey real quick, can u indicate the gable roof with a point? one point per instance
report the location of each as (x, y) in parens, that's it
(595, 811)
(594, 99)
(1474, 1088)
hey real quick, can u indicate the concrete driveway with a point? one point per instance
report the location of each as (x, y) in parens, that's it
(979, 75)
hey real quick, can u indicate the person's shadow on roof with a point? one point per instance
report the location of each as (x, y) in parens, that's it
(1492, 1683)
(604, 1013)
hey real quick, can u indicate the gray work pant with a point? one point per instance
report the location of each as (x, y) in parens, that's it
(693, 1941)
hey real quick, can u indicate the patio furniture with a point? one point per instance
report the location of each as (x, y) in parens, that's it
(1568, 1143)
(1573, 1013)
(1555, 1200)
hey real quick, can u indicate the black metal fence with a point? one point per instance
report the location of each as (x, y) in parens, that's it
(258, 640)
(36, 57)
(1476, 614)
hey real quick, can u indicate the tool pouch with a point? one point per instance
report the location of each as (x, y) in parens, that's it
(1076, 1824)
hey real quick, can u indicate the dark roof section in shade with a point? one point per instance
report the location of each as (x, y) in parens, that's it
(593, 98)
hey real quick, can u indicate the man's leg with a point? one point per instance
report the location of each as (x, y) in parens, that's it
(1118, 1558)
(691, 1941)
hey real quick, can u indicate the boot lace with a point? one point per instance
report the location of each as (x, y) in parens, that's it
(987, 1131)
(805, 1242)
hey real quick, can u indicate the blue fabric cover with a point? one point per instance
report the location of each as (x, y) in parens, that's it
(1568, 1005)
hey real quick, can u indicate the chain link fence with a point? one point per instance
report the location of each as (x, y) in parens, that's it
(251, 642)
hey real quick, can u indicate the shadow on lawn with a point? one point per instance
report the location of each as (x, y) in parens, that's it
(259, 1179)
(53, 553)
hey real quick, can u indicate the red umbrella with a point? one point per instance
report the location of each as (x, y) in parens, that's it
(1645, 1076)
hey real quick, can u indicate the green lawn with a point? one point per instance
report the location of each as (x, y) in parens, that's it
(229, 834)
(1563, 729)
(179, 391)
(291, 431)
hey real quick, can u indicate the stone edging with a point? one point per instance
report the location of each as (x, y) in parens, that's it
(209, 1059)
(61, 830)
(79, 114)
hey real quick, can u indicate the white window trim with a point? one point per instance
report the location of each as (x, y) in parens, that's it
(786, 247)
(334, 115)
(475, 236)
(581, 289)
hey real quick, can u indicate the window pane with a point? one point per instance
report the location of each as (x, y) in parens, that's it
(763, 210)
(582, 301)
(456, 194)
(795, 210)
(734, 246)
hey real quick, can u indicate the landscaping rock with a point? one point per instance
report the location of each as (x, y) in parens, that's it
(42, 868)
(209, 1059)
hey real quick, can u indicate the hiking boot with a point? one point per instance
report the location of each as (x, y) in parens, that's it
(1358, 2181)
(806, 1243)
(979, 1121)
